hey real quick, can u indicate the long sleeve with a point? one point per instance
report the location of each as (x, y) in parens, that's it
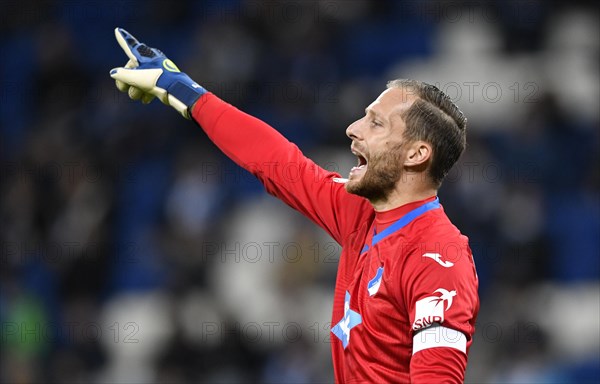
(440, 292)
(282, 168)
(438, 365)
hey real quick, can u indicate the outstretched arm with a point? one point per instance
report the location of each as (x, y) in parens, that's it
(282, 168)
(285, 172)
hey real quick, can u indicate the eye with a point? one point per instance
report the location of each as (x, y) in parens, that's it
(376, 123)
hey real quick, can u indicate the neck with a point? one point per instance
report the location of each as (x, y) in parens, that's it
(402, 194)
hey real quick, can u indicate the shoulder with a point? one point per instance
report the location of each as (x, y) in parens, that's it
(435, 228)
(438, 246)
(436, 223)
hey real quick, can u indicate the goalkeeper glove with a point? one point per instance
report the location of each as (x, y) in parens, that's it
(149, 73)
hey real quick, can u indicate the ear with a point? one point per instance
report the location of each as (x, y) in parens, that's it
(418, 154)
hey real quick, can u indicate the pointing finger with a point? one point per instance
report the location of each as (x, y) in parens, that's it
(128, 44)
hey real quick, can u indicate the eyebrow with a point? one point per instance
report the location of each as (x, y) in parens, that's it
(375, 113)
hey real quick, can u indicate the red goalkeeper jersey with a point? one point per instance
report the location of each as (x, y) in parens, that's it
(405, 299)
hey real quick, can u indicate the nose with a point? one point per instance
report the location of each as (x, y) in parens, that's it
(353, 130)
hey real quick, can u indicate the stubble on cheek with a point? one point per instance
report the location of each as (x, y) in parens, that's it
(383, 172)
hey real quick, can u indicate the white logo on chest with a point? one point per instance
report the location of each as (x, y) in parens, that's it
(438, 258)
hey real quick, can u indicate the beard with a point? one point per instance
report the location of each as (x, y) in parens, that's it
(380, 178)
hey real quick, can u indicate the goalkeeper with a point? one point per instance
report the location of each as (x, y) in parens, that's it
(405, 300)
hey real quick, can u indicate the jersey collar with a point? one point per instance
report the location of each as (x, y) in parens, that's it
(385, 218)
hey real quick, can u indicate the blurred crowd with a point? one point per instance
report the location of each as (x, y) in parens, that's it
(133, 251)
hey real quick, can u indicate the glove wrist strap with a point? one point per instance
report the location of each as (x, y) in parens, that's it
(185, 92)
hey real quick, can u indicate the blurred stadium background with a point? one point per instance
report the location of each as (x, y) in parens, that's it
(134, 252)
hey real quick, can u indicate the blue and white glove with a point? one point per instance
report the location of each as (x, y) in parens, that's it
(149, 74)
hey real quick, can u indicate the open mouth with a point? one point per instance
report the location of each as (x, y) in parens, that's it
(362, 163)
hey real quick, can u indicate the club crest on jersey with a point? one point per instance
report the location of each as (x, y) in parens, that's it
(431, 309)
(375, 283)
